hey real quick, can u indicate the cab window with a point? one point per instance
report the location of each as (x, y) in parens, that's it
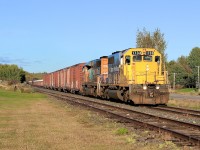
(147, 58)
(157, 58)
(137, 58)
(127, 60)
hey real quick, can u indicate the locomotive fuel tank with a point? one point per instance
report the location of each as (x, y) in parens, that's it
(114, 94)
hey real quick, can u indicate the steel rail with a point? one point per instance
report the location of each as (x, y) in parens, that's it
(178, 110)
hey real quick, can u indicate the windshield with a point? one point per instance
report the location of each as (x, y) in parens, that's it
(147, 58)
(137, 58)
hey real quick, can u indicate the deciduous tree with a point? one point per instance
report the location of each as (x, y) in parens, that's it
(193, 62)
(11, 73)
(146, 39)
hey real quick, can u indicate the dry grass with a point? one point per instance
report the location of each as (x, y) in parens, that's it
(47, 124)
(20, 87)
(191, 104)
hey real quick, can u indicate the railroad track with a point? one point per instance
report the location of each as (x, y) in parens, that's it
(177, 110)
(183, 133)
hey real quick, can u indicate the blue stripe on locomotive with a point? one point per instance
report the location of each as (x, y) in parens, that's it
(113, 67)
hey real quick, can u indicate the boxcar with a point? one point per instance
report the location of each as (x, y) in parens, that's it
(37, 83)
(76, 78)
(66, 79)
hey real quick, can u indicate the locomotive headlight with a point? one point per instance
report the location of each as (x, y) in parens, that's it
(144, 87)
(157, 87)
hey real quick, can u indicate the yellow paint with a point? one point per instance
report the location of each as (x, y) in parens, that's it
(141, 72)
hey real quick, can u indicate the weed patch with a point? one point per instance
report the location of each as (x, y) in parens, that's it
(168, 145)
(130, 140)
(121, 131)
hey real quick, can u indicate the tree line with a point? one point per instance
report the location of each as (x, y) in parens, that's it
(12, 73)
(185, 68)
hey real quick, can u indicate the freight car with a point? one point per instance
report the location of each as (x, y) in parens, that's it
(67, 79)
(38, 83)
(132, 75)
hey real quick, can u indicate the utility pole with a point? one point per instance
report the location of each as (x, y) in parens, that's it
(198, 84)
(174, 83)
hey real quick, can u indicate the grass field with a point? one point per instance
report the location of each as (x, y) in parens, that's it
(190, 91)
(16, 100)
(190, 104)
(33, 121)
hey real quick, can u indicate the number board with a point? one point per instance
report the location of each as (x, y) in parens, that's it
(137, 53)
(149, 53)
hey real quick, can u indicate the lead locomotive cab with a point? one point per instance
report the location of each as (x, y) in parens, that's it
(136, 75)
(141, 70)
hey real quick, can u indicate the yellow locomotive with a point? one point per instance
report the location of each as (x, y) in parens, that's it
(131, 75)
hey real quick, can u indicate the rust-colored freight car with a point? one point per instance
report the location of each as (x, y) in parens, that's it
(56, 80)
(37, 83)
(76, 77)
(46, 80)
(67, 79)
(60, 79)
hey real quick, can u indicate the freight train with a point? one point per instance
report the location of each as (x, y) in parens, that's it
(132, 75)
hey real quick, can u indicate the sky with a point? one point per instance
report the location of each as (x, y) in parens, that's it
(47, 35)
